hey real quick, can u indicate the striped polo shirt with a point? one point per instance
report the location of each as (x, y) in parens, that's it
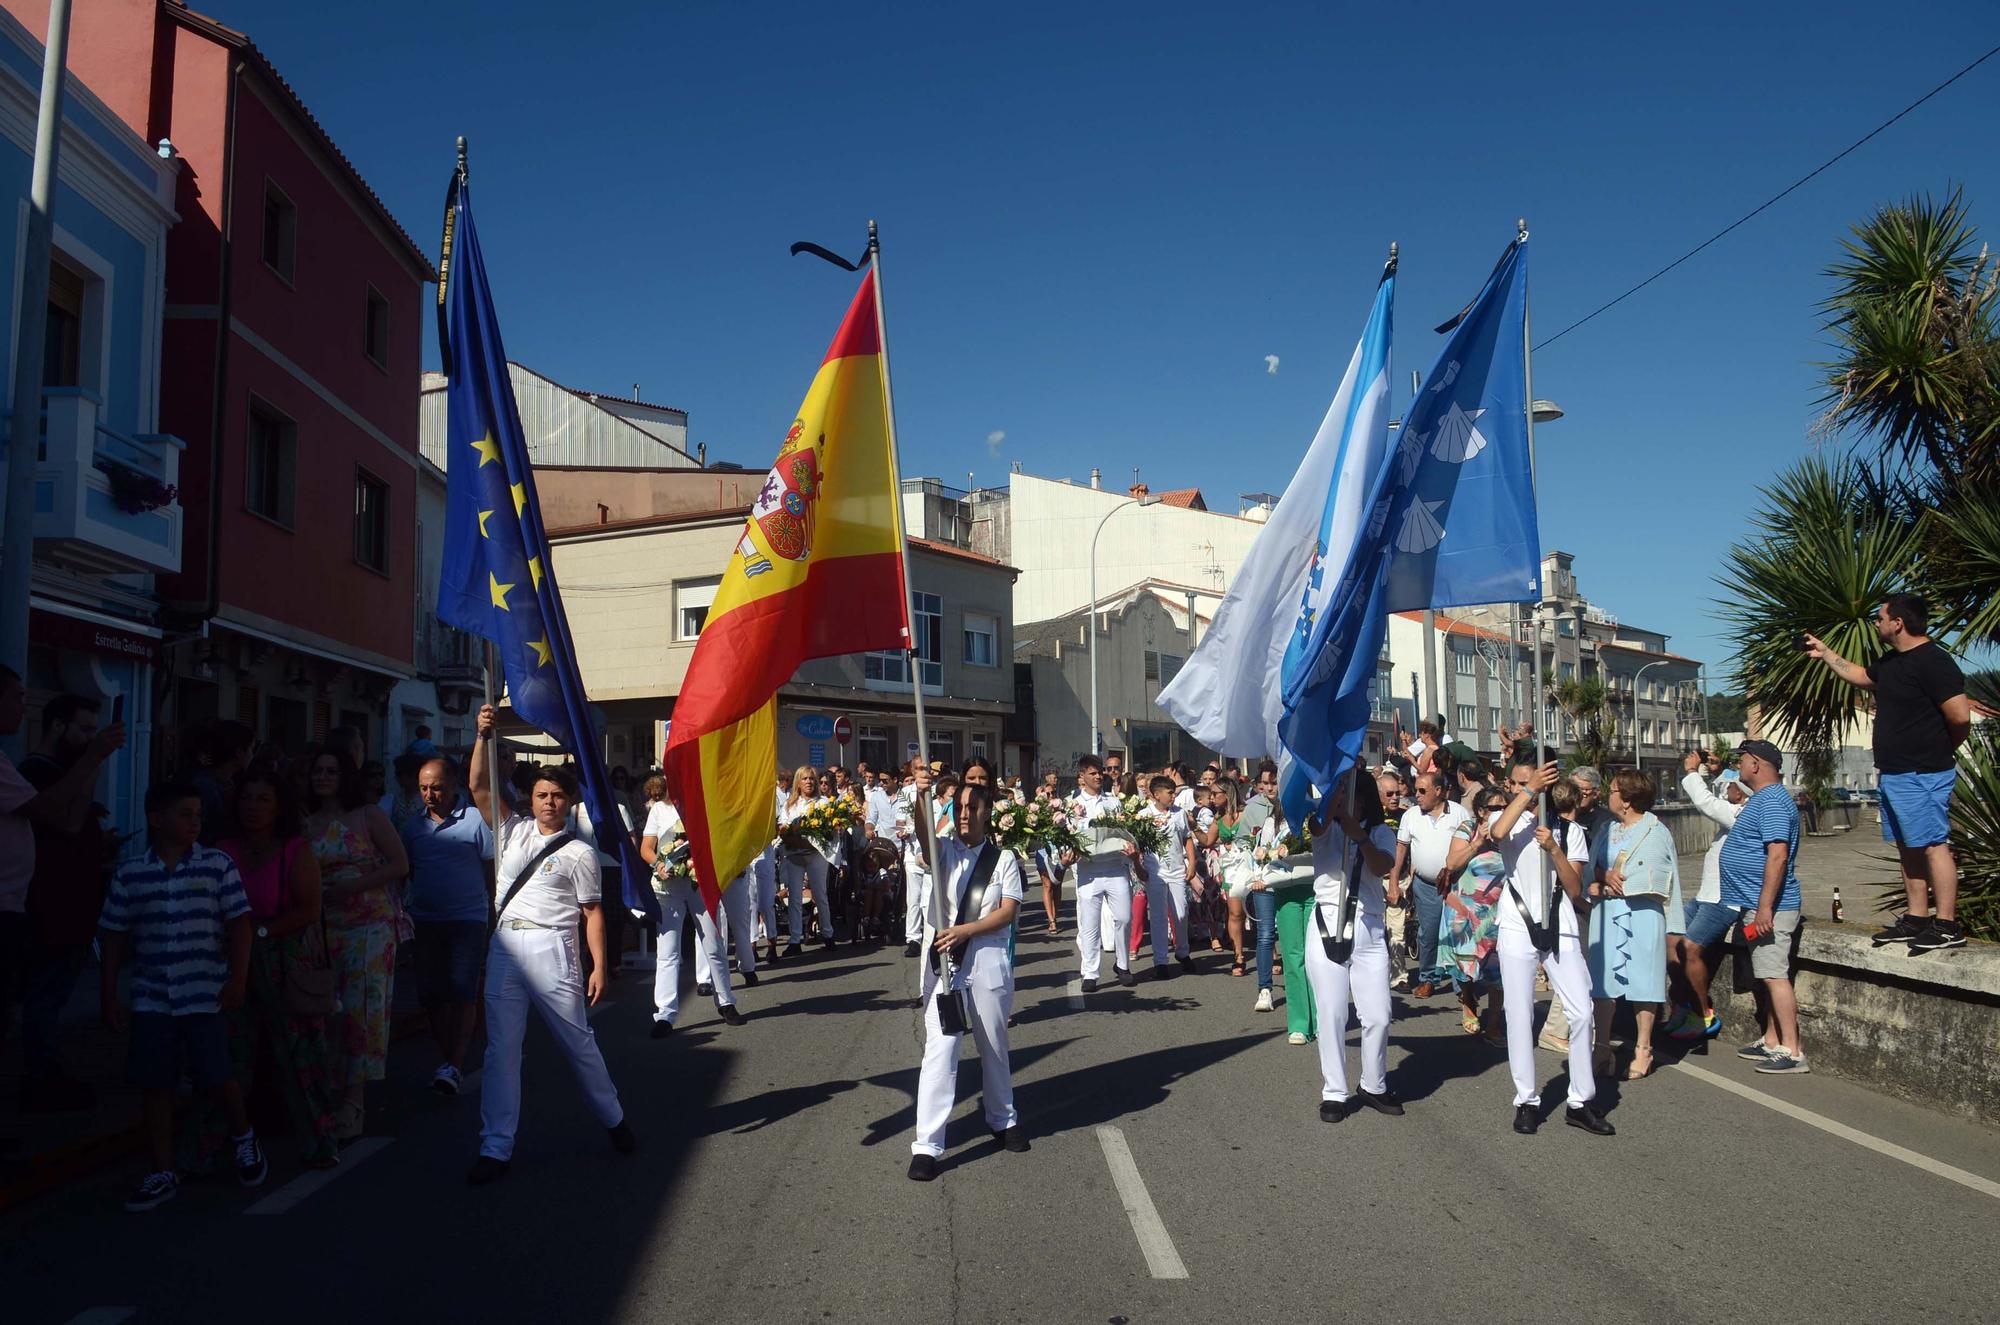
(180, 955)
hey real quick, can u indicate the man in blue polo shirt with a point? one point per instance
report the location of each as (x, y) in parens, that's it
(448, 845)
(1758, 880)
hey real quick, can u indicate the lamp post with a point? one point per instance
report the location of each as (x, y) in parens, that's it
(1090, 624)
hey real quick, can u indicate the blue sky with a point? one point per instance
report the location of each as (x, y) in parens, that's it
(1099, 219)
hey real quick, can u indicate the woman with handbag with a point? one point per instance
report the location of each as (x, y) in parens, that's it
(968, 981)
(1635, 884)
(289, 994)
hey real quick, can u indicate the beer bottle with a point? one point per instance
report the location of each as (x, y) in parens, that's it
(1839, 913)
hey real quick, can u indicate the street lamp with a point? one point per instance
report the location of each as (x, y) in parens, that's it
(1090, 623)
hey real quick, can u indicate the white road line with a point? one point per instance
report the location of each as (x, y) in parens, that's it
(1161, 1258)
(299, 1188)
(103, 1315)
(1076, 993)
(1984, 1186)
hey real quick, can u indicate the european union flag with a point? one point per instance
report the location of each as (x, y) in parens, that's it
(497, 581)
(1451, 521)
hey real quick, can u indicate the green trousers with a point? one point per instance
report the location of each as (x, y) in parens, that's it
(1294, 913)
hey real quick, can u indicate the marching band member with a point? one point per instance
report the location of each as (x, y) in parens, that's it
(1523, 844)
(546, 878)
(680, 899)
(804, 867)
(974, 894)
(1356, 834)
(1101, 881)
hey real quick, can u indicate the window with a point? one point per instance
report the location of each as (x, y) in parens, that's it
(980, 748)
(692, 599)
(982, 640)
(371, 521)
(269, 465)
(1566, 628)
(874, 747)
(375, 328)
(1466, 719)
(944, 746)
(1381, 705)
(891, 666)
(1566, 671)
(1461, 661)
(281, 232)
(285, 723)
(1645, 731)
(1493, 719)
(62, 356)
(1162, 667)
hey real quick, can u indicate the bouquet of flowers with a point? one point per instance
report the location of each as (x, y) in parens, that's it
(1026, 829)
(822, 827)
(1288, 859)
(675, 865)
(1132, 823)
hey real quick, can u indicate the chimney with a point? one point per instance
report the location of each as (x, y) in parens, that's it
(1138, 491)
(1096, 477)
(701, 454)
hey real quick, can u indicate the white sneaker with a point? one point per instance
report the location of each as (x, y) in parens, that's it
(1296, 1037)
(1263, 1003)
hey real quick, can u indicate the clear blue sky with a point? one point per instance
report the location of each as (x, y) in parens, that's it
(1098, 219)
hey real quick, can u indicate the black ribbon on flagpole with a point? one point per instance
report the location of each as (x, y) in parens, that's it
(1453, 324)
(807, 246)
(444, 254)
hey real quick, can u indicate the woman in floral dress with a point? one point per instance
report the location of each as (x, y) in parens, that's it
(360, 861)
(1467, 933)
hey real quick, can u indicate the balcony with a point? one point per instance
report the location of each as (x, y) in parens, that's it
(105, 502)
(455, 661)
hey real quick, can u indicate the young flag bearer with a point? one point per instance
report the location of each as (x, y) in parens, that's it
(1341, 968)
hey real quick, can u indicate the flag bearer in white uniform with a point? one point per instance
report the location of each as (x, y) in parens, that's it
(1357, 830)
(967, 920)
(916, 875)
(679, 899)
(1167, 894)
(533, 958)
(1523, 846)
(1101, 881)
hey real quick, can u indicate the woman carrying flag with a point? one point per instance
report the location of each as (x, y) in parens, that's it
(1352, 855)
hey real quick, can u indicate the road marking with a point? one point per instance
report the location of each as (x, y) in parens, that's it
(1984, 1186)
(1161, 1258)
(1076, 993)
(103, 1315)
(299, 1188)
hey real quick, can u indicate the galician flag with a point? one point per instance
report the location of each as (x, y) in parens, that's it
(1229, 694)
(818, 571)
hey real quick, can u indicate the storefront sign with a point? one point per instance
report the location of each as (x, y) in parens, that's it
(71, 633)
(814, 726)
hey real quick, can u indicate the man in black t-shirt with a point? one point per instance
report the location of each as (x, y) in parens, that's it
(1922, 716)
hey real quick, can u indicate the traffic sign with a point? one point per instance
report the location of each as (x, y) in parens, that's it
(843, 731)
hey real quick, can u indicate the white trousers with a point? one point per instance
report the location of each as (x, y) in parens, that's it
(915, 883)
(542, 967)
(812, 872)
(1363, 978)
(765, 870)
(1167, 898)
(937, 1079)
(1569, 979)
(734, 923)
(1093, 895)
(677, 903)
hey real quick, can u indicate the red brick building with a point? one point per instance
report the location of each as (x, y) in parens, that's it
(292, 356)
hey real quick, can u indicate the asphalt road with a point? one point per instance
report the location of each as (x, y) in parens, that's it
(769, 1186)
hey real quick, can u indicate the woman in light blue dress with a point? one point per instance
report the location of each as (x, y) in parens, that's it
(1635, 884)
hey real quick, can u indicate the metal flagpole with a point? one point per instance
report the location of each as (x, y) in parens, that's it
(896, 500)
(1535, 610)
(492, 766)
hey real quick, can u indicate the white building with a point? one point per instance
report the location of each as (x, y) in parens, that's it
(564, 426)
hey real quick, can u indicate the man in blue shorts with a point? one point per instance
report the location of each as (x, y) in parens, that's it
(449, 845)
(1922, 716)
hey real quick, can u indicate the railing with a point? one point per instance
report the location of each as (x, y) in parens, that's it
(104, 501)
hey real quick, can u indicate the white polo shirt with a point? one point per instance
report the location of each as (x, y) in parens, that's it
(567, 880)
(1429, 838)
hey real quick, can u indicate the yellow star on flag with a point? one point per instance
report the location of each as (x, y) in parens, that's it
(543, 653)
(499, 591)
(535, 569)
(520, 497)
(482, 524)
(489, 451)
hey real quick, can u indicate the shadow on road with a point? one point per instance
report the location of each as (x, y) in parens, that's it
(903, 1121)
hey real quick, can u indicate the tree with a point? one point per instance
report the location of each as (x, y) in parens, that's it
(1726, 713)
(1588, 705)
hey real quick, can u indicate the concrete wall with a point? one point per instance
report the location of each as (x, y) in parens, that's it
(1127, 700)
(576, 496)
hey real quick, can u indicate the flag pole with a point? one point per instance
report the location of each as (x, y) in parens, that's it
(1535, 610)
(896, 496)
(486, 679)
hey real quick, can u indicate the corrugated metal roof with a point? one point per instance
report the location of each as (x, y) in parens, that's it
(563, 427)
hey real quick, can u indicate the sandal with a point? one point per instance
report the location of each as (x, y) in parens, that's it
(1468, 1020)
(1239, 969)
(1635, 1072)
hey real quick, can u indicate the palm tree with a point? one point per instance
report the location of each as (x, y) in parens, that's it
(1587, 703)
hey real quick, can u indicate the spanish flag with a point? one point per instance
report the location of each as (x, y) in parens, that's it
(818, 571)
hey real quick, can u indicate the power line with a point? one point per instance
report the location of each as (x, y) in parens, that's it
(1802, 180)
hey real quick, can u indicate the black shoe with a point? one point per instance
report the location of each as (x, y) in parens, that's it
(662, 1029)
(730, 1014)
(1187, 964)
(623, 1140)
(912, 948)
(1127, 979)
(923, 1168)
(486, 1169)
(1162, 973)
(1590, 1120)
(705, 989)
(1332, 1111)
(1386, 1102)
(1527, 1120)
(1014, 1139)
(749, 979)
(794, 950)
(826, 941)
(1937, 936)
(1090, 986)
(1907, 927)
